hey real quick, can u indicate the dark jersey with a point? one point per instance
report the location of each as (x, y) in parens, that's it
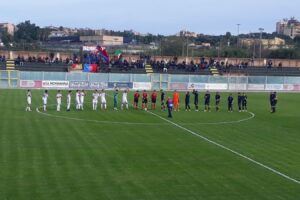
(162, 96)
(230, 100)
(187, 98)
(145, 95)
(196, 97)
(245, 99)
(240, 99)
(153, 96)
(217, 98)
(207, 98)
(136, 96)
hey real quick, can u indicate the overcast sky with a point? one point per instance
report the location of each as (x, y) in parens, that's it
(153, 16)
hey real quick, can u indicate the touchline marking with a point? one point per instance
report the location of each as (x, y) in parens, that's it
(98, 121)
(228, 149)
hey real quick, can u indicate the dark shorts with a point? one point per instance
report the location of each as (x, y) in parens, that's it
(145, 100)
(207, 103)
(153, 100)
(136, 100)
(217, 102)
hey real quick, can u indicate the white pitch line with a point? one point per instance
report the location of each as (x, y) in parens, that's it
(220, 123)
(228, 149)
(98, 121)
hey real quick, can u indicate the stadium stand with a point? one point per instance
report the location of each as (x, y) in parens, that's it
(49, 67)
(2, 66)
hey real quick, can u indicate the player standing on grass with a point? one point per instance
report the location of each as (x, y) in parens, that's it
(196, 99)
(95, 99)
(69, 101)
(162, 99)
(58, 100)
(145, 100)
(230, 103)
(116, 99)
(176, 100)
(187, 101)
(136, 97)
(82, 95)
(218, 99)
(207, 102)
(240, 101)
(45, 100)
(103, 99)
(153, 99)
(77, 100)
(273, 101)
(28, 95)
(170, 107)
(245, 102)
(124, 99)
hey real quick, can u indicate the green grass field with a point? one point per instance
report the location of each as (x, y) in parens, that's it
(136, 155)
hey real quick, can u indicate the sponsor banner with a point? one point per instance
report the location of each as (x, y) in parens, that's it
(178, 86)
(291, 87)
(196, 86)
(77, 67)
(55, 84)
(216, 86)
(238, 86)
(142, 85)
(98, 85)
(120, 85)
(89, 48)
(256, 86)
(79, 84)
(30, 84)
(274, 86)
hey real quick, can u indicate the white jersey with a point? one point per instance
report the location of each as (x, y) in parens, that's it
(82, 94)
(124, 97)
(58, 98)
(103, 98)
(95, 96)
(45, 98)
(78, 97)
(69, 98)
(29, 98)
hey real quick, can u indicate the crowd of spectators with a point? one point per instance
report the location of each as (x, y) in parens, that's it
(42, 60)
(2, 58)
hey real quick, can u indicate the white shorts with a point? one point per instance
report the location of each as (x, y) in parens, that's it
(29, 101)
(103, 101)
(124, 101)
(45, 102)
(95, 101)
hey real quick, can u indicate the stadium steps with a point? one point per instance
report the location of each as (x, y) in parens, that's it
(149, 69)
(214, 71)
(10, 65)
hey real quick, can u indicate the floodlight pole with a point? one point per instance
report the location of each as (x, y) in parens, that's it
(238, 34)
(260, 43)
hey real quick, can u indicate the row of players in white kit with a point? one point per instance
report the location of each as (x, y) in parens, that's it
(80, 95)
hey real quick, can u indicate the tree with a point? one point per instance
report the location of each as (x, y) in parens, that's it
(27, 32)
(6, 38)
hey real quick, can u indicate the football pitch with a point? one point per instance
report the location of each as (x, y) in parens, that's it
(137, 155)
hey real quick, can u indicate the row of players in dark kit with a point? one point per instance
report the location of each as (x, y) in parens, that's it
(242, 101)
(173, 104)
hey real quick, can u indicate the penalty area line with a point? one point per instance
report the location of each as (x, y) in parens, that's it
(228, 149)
